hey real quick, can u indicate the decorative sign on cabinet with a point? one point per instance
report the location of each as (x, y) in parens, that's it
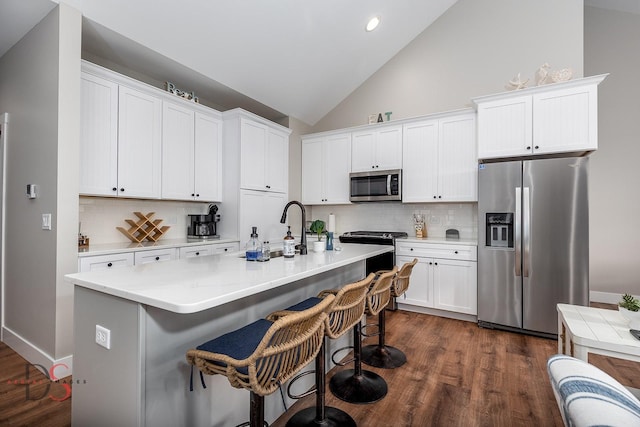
(548, 119)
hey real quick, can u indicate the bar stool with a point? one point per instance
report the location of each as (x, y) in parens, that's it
(381, 355)
(357, 385)
(346, 311)
(264, 354)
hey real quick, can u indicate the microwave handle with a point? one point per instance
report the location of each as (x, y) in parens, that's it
(389, 185)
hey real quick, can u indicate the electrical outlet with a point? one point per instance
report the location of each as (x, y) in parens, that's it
(103, 337)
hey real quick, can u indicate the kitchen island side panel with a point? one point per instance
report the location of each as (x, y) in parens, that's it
(163, 338)
(107, 389)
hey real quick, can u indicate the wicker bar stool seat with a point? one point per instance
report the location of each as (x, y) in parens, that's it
(345, 312)
(381, 355)
(357, 385)
(264, 354)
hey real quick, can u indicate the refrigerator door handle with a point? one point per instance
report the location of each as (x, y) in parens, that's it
(526, 230)
(518, 234)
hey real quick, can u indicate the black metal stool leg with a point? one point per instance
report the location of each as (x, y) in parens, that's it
(381, 355)
(356, 385)
(321, 415)
(256, 410)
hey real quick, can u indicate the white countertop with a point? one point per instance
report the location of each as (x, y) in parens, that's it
(114, 248)
(440, 240)
(196, 284)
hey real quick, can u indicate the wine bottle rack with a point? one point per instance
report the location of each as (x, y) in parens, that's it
(145, 228)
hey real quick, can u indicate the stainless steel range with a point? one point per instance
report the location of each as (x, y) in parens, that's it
(385, 261)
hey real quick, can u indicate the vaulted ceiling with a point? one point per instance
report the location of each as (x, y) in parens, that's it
(276, 58)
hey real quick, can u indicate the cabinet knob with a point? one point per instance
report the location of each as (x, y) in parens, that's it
(411, 249)
(435, 263)
(192, 194)
(536, 147)
(430, 263)
(528, 147)
(114, 189)
(435, 197)
(268, 186)
(197, 195)
(197, 253)
(110, 264)
(157, 258)
(121, 189)
(226, 249)
(455, 252)
(439, 197)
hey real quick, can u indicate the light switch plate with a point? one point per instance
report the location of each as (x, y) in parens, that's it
(46, 221)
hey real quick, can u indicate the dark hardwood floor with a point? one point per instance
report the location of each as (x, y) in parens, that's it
(457, 374)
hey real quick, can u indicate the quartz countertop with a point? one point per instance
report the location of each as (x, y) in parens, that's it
(440, 240)
(114, 248)
(196, 284)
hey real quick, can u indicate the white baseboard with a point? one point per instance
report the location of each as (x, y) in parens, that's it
(605, 297)
(35, 356)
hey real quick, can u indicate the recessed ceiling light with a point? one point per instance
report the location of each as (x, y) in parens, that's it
(373, 23)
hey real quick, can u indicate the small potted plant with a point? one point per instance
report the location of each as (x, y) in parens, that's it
(629, 307)
(317, 227)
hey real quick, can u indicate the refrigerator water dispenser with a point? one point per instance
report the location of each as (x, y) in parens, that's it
(500, 230)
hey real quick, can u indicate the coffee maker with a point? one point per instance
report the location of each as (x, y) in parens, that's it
(203, 227)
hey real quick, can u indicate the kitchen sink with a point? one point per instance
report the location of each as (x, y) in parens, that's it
(274, 254)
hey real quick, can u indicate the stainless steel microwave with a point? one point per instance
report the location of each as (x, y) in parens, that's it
(376, 186)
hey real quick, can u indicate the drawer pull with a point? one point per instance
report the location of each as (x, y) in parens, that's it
(197, 253)
(455, 252)
(110, 264)
(157, 258)
(411, 249)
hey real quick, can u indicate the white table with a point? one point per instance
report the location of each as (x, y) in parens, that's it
(584, 330)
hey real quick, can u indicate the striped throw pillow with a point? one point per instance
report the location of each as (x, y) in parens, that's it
(587, 396)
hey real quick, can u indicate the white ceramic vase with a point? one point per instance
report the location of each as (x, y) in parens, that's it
(318, 246)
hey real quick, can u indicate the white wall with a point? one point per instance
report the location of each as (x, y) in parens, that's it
(39, 88)
(612, 45)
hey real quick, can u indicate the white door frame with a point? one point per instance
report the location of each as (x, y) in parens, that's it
(4, 121)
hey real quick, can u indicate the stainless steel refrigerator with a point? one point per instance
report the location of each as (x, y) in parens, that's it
(533, 245)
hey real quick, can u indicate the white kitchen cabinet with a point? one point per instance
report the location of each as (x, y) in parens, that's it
(439, 159)
(98, 136)
(543, 120)
(376, 149)
(265, 155)
(444, 278)
(191, 154)
(195, 251)
(255, 185)
(326, 163)
(262, 209)
(420, 291)
(103, 262)
(139, 144)
(120, 144)
(154, 255)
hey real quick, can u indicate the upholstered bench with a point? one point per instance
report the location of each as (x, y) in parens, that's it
(587, 396)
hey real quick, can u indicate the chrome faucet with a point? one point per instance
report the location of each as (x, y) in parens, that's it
(303, 239)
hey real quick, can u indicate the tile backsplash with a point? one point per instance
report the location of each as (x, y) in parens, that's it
(392, 216)
(99, 217)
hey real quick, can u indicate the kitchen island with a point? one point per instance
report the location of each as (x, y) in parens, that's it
(156, 312)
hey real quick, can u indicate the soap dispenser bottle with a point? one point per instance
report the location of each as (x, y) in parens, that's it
(253, 247)
(289, 246)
